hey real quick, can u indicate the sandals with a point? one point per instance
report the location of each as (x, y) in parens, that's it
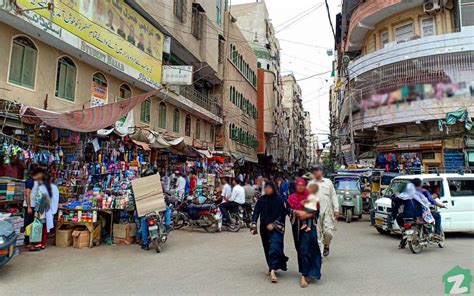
(273, 277)
(326, 251)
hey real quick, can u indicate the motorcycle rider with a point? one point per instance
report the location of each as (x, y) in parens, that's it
(329, 208)
(180, 185)
(236, 199)
(405, 209)
(436, 215)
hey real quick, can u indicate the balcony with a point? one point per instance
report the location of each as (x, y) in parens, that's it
(369, 13)
(414, 49)
(201, 99)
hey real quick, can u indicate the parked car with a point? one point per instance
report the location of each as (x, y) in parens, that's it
(456, 191)
(7, 242)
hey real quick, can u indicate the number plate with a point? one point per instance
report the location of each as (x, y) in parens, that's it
(379, 221)
(409, 232)
(153, 228)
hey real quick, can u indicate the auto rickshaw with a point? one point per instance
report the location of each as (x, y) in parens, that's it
(349, 190)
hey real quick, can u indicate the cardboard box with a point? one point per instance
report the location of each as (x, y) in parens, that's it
(80, 238)
(96, 235)
(125, 231)
(64, 237)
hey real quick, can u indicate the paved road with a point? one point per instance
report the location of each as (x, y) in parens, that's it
(197, 263)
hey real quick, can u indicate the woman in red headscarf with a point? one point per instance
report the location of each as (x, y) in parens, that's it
(306, 242)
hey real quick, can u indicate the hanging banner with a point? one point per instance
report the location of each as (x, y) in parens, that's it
(111, 26)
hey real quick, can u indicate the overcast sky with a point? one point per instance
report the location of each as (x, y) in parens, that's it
(314, 31)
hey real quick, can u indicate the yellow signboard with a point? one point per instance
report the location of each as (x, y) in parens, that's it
(110, 25)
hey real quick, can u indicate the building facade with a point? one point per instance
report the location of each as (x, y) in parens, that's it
(54, 65)
(257, 28)
(297, 133)
(404, 67)
(240, 95)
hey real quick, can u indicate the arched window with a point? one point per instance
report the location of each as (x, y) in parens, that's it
(100, 90)
(268, 67)
(231, 93)
(145, 111)
(187, 126)
(176, 120)
(162, 116)
(259, 65)
(125, 92)
(231, 51)
(23, 62)
(197, 132)
(66, 79)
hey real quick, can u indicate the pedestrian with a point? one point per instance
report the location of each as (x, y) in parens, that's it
(47, 200)
(291, 186)
(29, 203)
(192, 183)
(284, 188)
(180, 185)
(306, 242)
(329, 208)
(271, 211)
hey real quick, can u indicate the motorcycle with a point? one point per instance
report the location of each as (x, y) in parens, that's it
(188, 213)
(157, 233)
(246, 212)
(236, 222)
(419, 235)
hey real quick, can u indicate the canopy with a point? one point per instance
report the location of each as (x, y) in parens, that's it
(84, 120)
(121, 128)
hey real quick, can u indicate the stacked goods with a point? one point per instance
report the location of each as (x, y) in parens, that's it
(17, 223)
(11, 189)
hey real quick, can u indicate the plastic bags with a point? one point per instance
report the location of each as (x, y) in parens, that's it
(36, 233)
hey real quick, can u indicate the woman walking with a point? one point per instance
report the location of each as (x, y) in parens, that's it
(306, 241)
(270, 208)
(46, 207)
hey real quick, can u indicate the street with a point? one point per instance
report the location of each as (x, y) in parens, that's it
(198, 263)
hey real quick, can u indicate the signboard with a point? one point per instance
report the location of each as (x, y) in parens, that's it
(98, 94)
(111, 26)
(148, 194)
(178, 75)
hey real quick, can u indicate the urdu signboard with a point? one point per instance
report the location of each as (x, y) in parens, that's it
(178, 75)
(108, 30)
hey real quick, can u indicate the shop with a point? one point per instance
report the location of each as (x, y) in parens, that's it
(410, 158)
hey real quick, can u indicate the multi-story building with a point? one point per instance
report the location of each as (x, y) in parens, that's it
(309, 148)
(240, 94)
(115, 50)
(404, 68)
(256, 27)
(293, 106)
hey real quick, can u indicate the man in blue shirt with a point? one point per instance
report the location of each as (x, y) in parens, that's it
(436, 215)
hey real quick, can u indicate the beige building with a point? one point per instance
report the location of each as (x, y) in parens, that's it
(57, 68)
(254, 21)
(403, 68)
(240, 95)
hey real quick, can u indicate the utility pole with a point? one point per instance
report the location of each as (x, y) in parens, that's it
(351, 127)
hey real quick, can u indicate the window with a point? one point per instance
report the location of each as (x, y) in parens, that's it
(66, 79)
(23, 62)
(461, 187)
(176, 121)
(404, 32)
(219, 12)
(125, 92)
(428, 27)
(100, 90)
(187, 126)
(162, 116)
(221, 49)
(197, 21)
(467, 13)
(180, 9)
(145, 111)
(383, 38)
(212, 133)
(197, 132)
(259, 65)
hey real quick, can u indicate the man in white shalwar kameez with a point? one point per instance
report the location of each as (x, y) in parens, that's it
(329, 209)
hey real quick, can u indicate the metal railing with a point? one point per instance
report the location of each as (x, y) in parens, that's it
(201, 99)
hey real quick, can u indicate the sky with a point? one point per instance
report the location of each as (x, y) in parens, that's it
(304, 47)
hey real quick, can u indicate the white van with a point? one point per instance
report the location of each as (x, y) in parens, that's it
(456, 191)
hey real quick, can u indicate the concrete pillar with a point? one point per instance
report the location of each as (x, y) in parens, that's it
(417, 26)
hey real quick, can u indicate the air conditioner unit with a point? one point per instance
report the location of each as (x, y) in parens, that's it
(431, 6)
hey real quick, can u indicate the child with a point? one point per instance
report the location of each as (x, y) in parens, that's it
(310, 205)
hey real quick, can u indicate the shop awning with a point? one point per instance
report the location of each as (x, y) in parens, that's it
(204, 153)
(121, 128)
(84, 120)
(155, 140)
(241, 158)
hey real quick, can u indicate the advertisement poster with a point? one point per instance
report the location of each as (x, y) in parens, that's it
(98, 94)
(111, 26)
